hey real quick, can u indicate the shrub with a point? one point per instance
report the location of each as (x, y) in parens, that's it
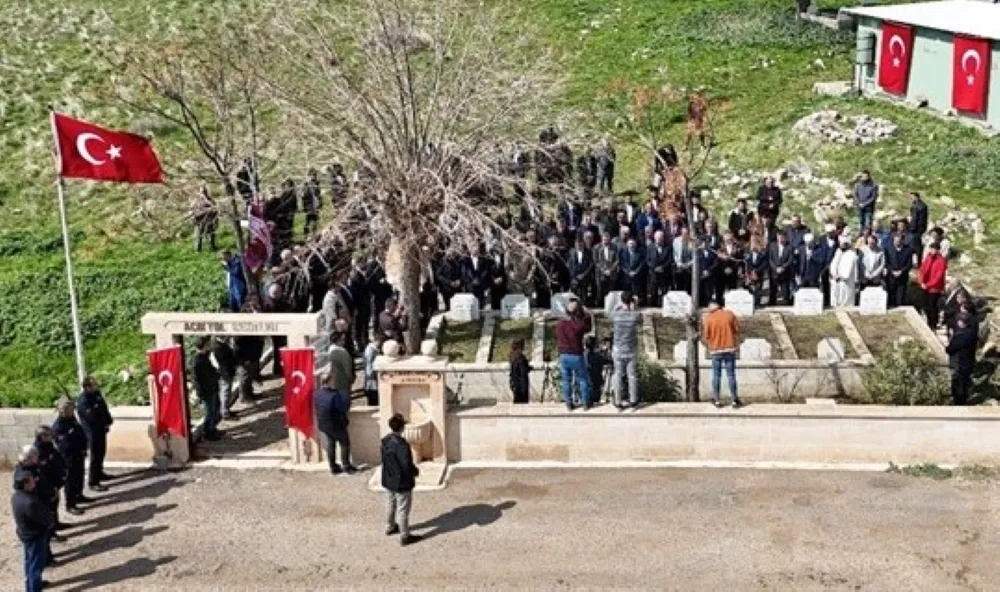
(906, 375)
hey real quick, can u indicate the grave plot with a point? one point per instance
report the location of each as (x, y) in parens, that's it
(807, 331)
(668, 332)
(459, 341)
(759, 327)
(505, 332)
(881, 332)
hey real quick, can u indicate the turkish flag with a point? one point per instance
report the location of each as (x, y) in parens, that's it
(894, 62)
(299, 383)
(168, 375)
(970, 78)
(86, 151)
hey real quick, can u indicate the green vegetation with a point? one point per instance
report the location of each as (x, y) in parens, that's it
(880, 333)
(807, 332)
(939, 473)
(132, 250)
(505, 332)
(907, 375)
(459, 342)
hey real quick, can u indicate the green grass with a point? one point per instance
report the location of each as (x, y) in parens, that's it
(760, 327)
(459, 342)
(880, 332)
(807, 332)
(505, 332)
(48, 58)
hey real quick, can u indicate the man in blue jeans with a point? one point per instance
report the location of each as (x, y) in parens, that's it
(34, 523)
(721, 333)
(569, 336)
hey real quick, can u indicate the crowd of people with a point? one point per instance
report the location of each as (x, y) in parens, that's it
(52, 468)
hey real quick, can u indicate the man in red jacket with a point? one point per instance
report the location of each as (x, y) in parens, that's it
(933, 270)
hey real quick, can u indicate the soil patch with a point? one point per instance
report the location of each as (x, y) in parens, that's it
(880, 332)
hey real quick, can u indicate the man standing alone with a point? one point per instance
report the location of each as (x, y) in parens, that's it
(865, 198)
(399, 477)
(34, 522)
(721, 335)
(96, 420)
(626, 319)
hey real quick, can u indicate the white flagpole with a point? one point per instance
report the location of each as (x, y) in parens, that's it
(74, 310)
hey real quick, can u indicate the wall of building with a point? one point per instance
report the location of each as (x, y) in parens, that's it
(931, 69)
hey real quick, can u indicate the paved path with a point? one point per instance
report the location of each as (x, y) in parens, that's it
(680, 529)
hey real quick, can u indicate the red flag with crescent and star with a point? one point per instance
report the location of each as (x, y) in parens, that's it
(86, 151)
(894, 62)
(970, 74)
(299, 382)
(168, 377)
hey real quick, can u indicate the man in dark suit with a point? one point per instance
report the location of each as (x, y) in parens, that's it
(739, 220)
(917, 225)
(96, 420)
(810, 261)
(571, 214)
(729, 267)
(660, 260)
(498, 278)
(359, 286)
(580, 265)
(632, 268)
(448, 277)
(781, 258)
(708, 266)
(898, 263)
(757, 268)
(961, 352)
(606, 262)
(476, 272)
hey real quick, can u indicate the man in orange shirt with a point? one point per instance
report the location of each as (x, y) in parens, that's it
(721, 333)
(933, 270)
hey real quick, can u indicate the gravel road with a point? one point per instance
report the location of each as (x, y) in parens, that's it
(664, 529)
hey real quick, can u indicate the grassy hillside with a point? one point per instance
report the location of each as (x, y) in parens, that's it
(757, 62)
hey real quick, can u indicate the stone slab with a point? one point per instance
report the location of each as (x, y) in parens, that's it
(830, 349)
(740, 302)
(755, 350)
(676, 304)
(874, 301)
(515, 306)
(464, 308)
(559, 303)
(808, 301)
(611, 301)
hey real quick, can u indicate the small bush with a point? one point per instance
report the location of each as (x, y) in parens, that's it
(907, 375)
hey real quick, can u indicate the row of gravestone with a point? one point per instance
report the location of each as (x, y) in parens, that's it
(676, 304)
(829, 349)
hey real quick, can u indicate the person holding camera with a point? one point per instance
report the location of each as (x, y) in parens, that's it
(569, 335)
(625, 350)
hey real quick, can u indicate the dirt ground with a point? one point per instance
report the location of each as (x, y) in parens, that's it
(540, 529)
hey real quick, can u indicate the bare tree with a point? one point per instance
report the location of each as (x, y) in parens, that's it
(644, 117)
(424, 97)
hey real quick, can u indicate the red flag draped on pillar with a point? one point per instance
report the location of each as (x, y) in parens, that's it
(894, 61)
(299, 383)
(168, 375)
(970, 74)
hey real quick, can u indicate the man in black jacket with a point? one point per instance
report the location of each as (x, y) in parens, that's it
(225, 360)
(781, 258)
(962, 357)
(399, 477)
(71, 441)
(659, 261)
(332, 406)
(206, 381)
(898, 263)
(580, 265)
(34, 522)
(96, 420)
(918, 225)
(51, 468)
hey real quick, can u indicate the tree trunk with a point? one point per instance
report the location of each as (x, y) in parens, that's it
(409, 291)
(693, 332)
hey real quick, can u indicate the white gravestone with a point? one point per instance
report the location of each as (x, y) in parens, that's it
(808, 301)
(874, 301)
(559, 303)
(515, 306)
(676, 305)
(740, 302)
(681, 351)
(611, 301)
(464, 307)
(830, 349)
(755, 350)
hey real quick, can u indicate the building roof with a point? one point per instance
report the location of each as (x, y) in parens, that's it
(965, 17)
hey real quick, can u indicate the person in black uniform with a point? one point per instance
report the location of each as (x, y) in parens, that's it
(51, 467)
(225, 359)
(961, 352)
(71, 441)
(96, 421)
(476, 272)
(206, 381)
(34, 522)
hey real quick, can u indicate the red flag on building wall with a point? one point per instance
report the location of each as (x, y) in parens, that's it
(299, 381)
(894, 61)
(168, 375)
(970, 78)
(86, 151)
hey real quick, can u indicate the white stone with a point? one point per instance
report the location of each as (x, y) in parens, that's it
(681, 351)
(428, 347)
(515, 306)
(559, 301)
(611, 301)
(740, 302)
(874, 301)
(808, 301)
(463, 308)
(676, 304)
(830, 349)
(755, 350)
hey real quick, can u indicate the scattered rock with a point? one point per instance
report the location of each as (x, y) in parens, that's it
(818, 63)
(838, 88)
(834, 127)
(946, 201)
